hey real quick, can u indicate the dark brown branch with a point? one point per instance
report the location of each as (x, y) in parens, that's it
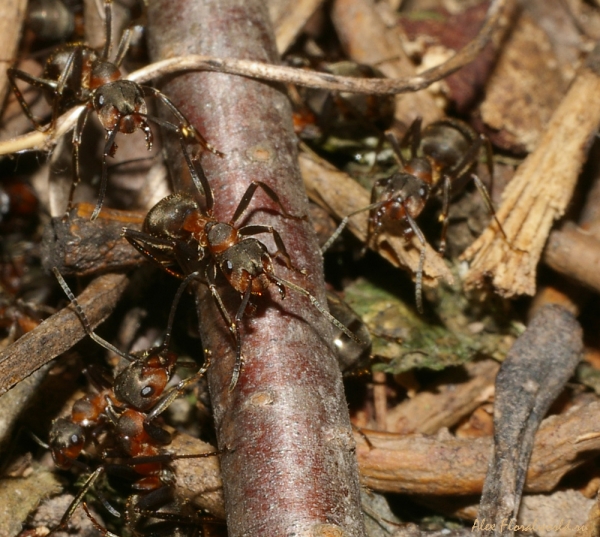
(288, 461)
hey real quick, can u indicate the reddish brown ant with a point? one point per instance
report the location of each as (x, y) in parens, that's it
(441, 155)
(124, 411)
(77, 74)
(177, 231)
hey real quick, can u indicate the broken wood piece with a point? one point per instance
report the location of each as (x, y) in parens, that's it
(457, 393)
(444, 465)
(341, 195)
(539, 192)
(534, 373)
(59, 332)
(574, 252)
(77, 246)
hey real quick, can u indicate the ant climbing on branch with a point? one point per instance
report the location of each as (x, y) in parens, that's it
(442, 156)
(77, 74)
(185, 239)
(120, 419)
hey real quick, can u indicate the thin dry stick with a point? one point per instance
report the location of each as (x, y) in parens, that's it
(539, 192)
(381, 86)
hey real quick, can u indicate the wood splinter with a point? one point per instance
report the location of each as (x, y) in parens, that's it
(539, 192)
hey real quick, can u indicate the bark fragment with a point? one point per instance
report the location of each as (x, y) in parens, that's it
(533, 374)
(539, 192)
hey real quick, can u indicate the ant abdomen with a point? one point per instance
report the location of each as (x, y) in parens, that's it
(174, 216)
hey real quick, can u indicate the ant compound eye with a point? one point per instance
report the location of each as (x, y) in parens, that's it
(76, 439)
(101, 100)
(422, 192)
(228, 266)
(147, 391)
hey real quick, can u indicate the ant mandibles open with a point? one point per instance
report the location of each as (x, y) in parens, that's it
(121, 419)
(76, 74)
(442, 157)
(189, 241)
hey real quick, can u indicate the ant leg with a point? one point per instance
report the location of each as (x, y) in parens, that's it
(13, 75)
(239, 359)
(152, 248)
(411, 139)
(77, 132)
(62, 81)
(79, 498)
(280, 282)
(105, 532)
(419, 277)
(488, 203)
(109, 148)
(247, 197)
(107, 29)
(85, 321)
(198, 177)
(444, 215)
(189, 131)
(281, 249)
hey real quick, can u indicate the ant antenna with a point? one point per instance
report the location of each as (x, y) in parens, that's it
(85, 321)
(342, 225)
(319, 306)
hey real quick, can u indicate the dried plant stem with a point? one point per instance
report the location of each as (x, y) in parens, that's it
(539, 192)
(268, 71)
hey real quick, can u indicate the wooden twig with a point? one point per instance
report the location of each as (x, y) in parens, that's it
(59, 332)
(443, 465)
(267, 71)
(539, 192)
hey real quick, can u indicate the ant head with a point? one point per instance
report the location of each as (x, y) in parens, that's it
(66, 442)
(244, 263)
(141, 384)
(120, 105)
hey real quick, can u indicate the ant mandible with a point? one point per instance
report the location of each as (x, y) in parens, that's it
(77, 74)
(177, 231)
(442, 156)
(125, 409)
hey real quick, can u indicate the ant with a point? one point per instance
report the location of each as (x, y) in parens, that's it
(121, 418)
(177, 231)
(442, 156)
(77, 74)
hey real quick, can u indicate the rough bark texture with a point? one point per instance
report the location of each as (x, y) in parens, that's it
(288, 460)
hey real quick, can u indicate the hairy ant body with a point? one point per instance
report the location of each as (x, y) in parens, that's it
(442, 156)
(123, 413)
(77, 74)
(177, 231)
